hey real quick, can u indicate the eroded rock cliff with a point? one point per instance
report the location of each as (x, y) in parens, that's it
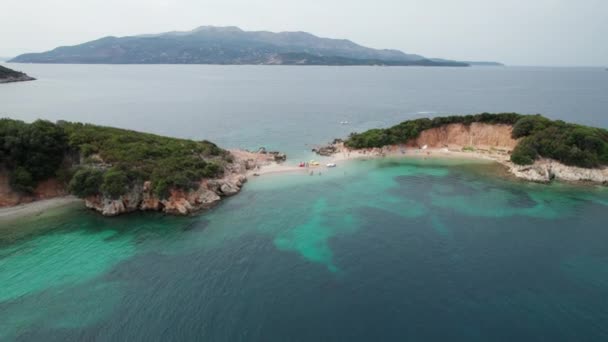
(207, 194)
(478, 135)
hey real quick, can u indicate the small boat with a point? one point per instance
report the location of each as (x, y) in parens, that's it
(425, 147)
(343, 122)
(314, 163)
(331, 165)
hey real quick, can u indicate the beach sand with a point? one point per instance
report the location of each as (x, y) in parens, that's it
(344, 155)
(36, 208)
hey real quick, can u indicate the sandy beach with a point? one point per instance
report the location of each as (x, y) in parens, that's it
(344, 155)
(36, 208)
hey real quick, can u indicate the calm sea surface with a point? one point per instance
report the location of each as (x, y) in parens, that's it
(384, 250)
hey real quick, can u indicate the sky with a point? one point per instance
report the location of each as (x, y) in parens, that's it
(515, 32)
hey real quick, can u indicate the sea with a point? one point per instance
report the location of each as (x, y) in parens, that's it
(391, 249)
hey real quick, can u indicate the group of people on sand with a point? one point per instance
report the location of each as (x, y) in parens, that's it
(310, 165)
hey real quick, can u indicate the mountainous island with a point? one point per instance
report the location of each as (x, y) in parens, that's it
(118, 171)
(229, 45)
(8, 75)
(532, 147)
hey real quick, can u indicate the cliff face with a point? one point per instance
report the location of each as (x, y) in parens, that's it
(47, 189)
(208, 193)
(181, 202)
(478, 135)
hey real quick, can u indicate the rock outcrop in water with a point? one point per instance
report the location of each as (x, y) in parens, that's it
(546, 170)
(180, 202)
(208, 193)
(119, 171)
(8, 75)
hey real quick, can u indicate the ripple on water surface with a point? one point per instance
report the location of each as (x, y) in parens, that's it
(396, 228)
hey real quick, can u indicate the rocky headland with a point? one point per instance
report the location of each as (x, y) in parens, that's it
(118, 171)
(8, 75)
(206, 194)
(497, 138)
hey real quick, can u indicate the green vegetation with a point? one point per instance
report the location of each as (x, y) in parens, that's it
(6, 73)
(33, 152)
(86, 182)
(9, 75)
(135, 157)
(113, 160)
(411, 129)
(567, 143)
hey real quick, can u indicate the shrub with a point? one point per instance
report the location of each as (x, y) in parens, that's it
(115, 183)
(528, 125)
(524, 153)
(21, 180)
(37, 148)
(86, 182)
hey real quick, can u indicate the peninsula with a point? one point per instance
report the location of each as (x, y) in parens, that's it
(229, 45)
(118, 171)
(532, 147)
(8, 75)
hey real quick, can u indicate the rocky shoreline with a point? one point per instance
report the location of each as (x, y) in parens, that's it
(547, 170)
(542, 171)
(209, 192)
(21, 78)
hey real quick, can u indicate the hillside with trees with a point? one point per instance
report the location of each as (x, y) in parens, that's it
(96, 160)
(538, 137)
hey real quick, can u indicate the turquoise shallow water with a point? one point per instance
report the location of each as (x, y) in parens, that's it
(372, 250)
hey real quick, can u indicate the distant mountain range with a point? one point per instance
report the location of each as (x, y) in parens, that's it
(228, 45)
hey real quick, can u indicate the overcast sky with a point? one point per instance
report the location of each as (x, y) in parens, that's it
(516, 32)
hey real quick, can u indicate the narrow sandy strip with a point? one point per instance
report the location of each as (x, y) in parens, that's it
(347, 155)
(36, 208)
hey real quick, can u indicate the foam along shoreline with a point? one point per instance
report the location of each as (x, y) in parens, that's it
(36, 208)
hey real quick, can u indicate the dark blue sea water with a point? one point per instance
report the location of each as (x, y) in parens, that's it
(292, 108)
(377, 250)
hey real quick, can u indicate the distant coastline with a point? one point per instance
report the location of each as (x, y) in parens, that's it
(231, 46)
(8, 75)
